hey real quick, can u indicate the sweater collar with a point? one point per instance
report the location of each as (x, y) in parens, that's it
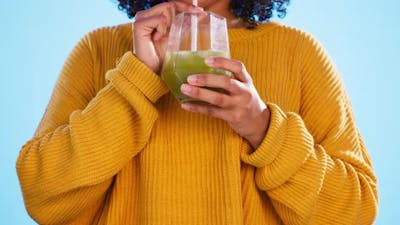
(244, 33)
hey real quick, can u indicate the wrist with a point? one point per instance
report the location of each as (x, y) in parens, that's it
(153, 65)
(256, 139)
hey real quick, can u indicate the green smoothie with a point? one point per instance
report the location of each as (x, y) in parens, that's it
(179, 65)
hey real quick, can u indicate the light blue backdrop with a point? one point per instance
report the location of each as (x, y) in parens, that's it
(361, 36)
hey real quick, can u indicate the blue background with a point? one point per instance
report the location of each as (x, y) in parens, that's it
(361, 36)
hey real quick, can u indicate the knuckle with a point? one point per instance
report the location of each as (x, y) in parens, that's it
(219, 61)
(173, 5)
(239, 67)
(162, 17)
(195, 92)
(240, 64)
(194, 108)
(237, 63)
(160, 6)
(239, 86)
(165, 4)
(246, 96)
(202, 79)
(236, 117)
(206, 79)
(218, 100)
(139, 14)
(231, 84)
(226, 82)
(137, 25)
(242, 68)
(247, 107)
(209, 111)
(245, 101)
(169, 4)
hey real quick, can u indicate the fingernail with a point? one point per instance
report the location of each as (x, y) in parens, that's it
(185, 106)
(185, 88)
(192, 79)
(209, 60)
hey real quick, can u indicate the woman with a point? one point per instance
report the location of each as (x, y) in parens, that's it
(280, 147)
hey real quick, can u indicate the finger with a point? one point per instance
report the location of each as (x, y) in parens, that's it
(167, 9)
(208, 110)
(146, 26)
(235, 66)
(182, 6)
(209, 96)
(215, 81)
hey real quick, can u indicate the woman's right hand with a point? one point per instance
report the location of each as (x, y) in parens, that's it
(151, 29)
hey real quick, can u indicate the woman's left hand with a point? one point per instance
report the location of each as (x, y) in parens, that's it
(241, 106)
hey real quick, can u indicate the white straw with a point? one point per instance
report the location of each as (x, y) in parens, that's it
(193, 29)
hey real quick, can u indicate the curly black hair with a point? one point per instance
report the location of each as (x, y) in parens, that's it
(252, 12)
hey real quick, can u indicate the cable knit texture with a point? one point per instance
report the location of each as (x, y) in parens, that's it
(115, 147)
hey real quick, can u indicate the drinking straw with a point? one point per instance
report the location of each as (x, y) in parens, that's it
(193, 29)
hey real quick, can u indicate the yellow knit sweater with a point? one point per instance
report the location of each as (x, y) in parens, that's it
(115, 147)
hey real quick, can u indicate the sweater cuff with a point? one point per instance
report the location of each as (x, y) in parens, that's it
(270, 146)
(148, 82)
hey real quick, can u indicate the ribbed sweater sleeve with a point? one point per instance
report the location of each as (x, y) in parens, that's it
(85, 138)
(313, 164)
